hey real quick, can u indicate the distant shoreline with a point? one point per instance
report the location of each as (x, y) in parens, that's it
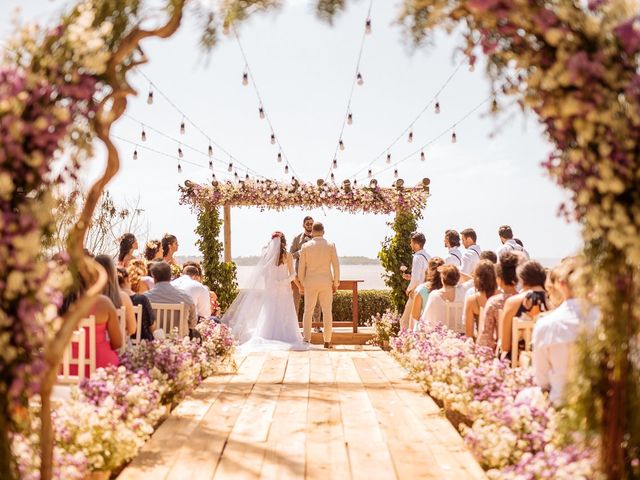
(253, 260)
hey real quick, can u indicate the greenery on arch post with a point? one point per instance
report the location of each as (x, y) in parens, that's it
(396, 252)
(220, 276)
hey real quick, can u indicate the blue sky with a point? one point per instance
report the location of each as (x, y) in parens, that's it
(304, 69)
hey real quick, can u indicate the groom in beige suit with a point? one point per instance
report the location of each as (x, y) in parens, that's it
(319, 274)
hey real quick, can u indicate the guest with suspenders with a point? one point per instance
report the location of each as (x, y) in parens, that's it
(471, 255)
(452, 243)
(418, 271)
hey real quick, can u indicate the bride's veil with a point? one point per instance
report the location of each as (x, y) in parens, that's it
(243, 314)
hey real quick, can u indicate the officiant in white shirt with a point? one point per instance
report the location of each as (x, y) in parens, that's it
(471, 255)
(452, 243)
(419, 266)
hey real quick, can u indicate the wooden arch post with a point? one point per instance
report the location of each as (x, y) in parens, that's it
(227, 232)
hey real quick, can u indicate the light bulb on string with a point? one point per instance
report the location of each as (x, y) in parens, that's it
(341, 144)
(273, 139)
(210, 151)
(286, 169)
(355, 183)
(359, 79)
(367, 26)
(388, 158)
(210, 164)
(454, 137)
(179, 168)
(370, 174)
(422, 156)
(135, 154)
(213, 177)
(335, 163)
(261, 112)
(246, 177)
(279, 157)
(230, 167)
(180, 154)
(150, 96)
(182, 127)
(333, 178)
(350, 119)
(395, 173)
(143, 135)
(437, 107)
(245, 79)
(410, 137)
(235, 176)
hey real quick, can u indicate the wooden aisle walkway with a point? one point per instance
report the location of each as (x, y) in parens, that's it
(347, 413)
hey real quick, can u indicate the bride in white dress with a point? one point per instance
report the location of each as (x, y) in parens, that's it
(263, 316)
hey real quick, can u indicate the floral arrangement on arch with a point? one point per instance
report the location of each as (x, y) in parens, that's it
(272, 195)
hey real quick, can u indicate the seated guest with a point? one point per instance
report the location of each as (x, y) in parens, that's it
(153, 250)
(507, 280)
(164, 292)
(433, 282)
(139, 276)
(117, 296)
(472, 252)
(508, 243)
(452, 243)
(555, 335)
(436, 308)
(148, 315)
(484, 278)
(489, 255)
(128, 245)
(108, 337)
(531, 301)
(554, 294)
(190, 282)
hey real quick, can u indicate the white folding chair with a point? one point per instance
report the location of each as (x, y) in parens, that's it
(453, 316)
(137, 313)
(169, 315)
(122, 321)
(78, 338)
(522, 327)
(89, 325)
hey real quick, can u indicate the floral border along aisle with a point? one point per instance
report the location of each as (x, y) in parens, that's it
(110, 416)
(509, 427)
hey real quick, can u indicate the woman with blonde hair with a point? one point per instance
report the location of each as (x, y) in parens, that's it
(139, 276)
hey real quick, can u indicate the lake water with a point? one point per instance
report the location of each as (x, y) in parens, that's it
(371, 274)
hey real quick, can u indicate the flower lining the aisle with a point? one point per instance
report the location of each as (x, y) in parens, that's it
(509, 428)
(272, 195)
(110, 416)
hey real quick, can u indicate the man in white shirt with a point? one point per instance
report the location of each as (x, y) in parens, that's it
(508, 243)
(472, 252)
(190, 283)
(418, 273)
(452, 243)
(555, 335)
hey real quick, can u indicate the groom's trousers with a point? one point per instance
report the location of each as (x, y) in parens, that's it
(324, 296)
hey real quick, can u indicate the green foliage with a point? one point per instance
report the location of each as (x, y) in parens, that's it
(370, 304)
(220, 276)
(396, 252)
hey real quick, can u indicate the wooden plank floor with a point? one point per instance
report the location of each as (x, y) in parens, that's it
(345, 413)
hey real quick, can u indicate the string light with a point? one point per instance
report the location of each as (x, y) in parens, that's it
(210, 164)
(422, 156)
(286, 169)
(150, 96)
(182, 127)
(210, 151)
(245, 79)
(350, 119)
(246, 177)
(359, 79)
(261, 113)
(333, 178)
(180, 154)
(273, 139)
(454, 137)
(355, 183)
(395, 173)
(367, 26)
(341, 144)
(437, 107)
(143, 135)
(410, 137)
(388, 158)
(335, 163)
(230, 167)
(236, 176)
(135, 154)
(179, 167)
(370, 174)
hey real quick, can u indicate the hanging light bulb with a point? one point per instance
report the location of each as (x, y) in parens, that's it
(350, 119)
(370, 174)
(135, 154)
(182, 127)
(341, 144)
(388, 158)
(395, 173)
(210, 151)
(261, 112)
(359, 79)
(279, 157)
(213, 177)
(335, 163)
(210, 164)
(422, 157)
(286, 169)
(410, 137)
(454, 137)
(143, 135)
(180, 154)
(367, 26)
(245, 79)
(333, 177)
(246, 177)
(235, 176)
(179, 168)
(494, 105)
(273, 139)
(150, 97)
(437, 107)
(355, 183)
(230, 167)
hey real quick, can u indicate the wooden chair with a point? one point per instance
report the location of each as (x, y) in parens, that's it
(79, 339)
(169, 315)
(522, 327)
(453, 316)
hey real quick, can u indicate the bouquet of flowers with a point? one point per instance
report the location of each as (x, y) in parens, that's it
(385, 327)
(216, 346)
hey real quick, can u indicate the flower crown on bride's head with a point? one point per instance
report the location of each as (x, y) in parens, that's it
(276, 234)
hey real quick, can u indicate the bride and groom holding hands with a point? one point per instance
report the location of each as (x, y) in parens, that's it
(264, 315)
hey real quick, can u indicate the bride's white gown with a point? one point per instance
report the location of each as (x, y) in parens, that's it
(263, 316)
